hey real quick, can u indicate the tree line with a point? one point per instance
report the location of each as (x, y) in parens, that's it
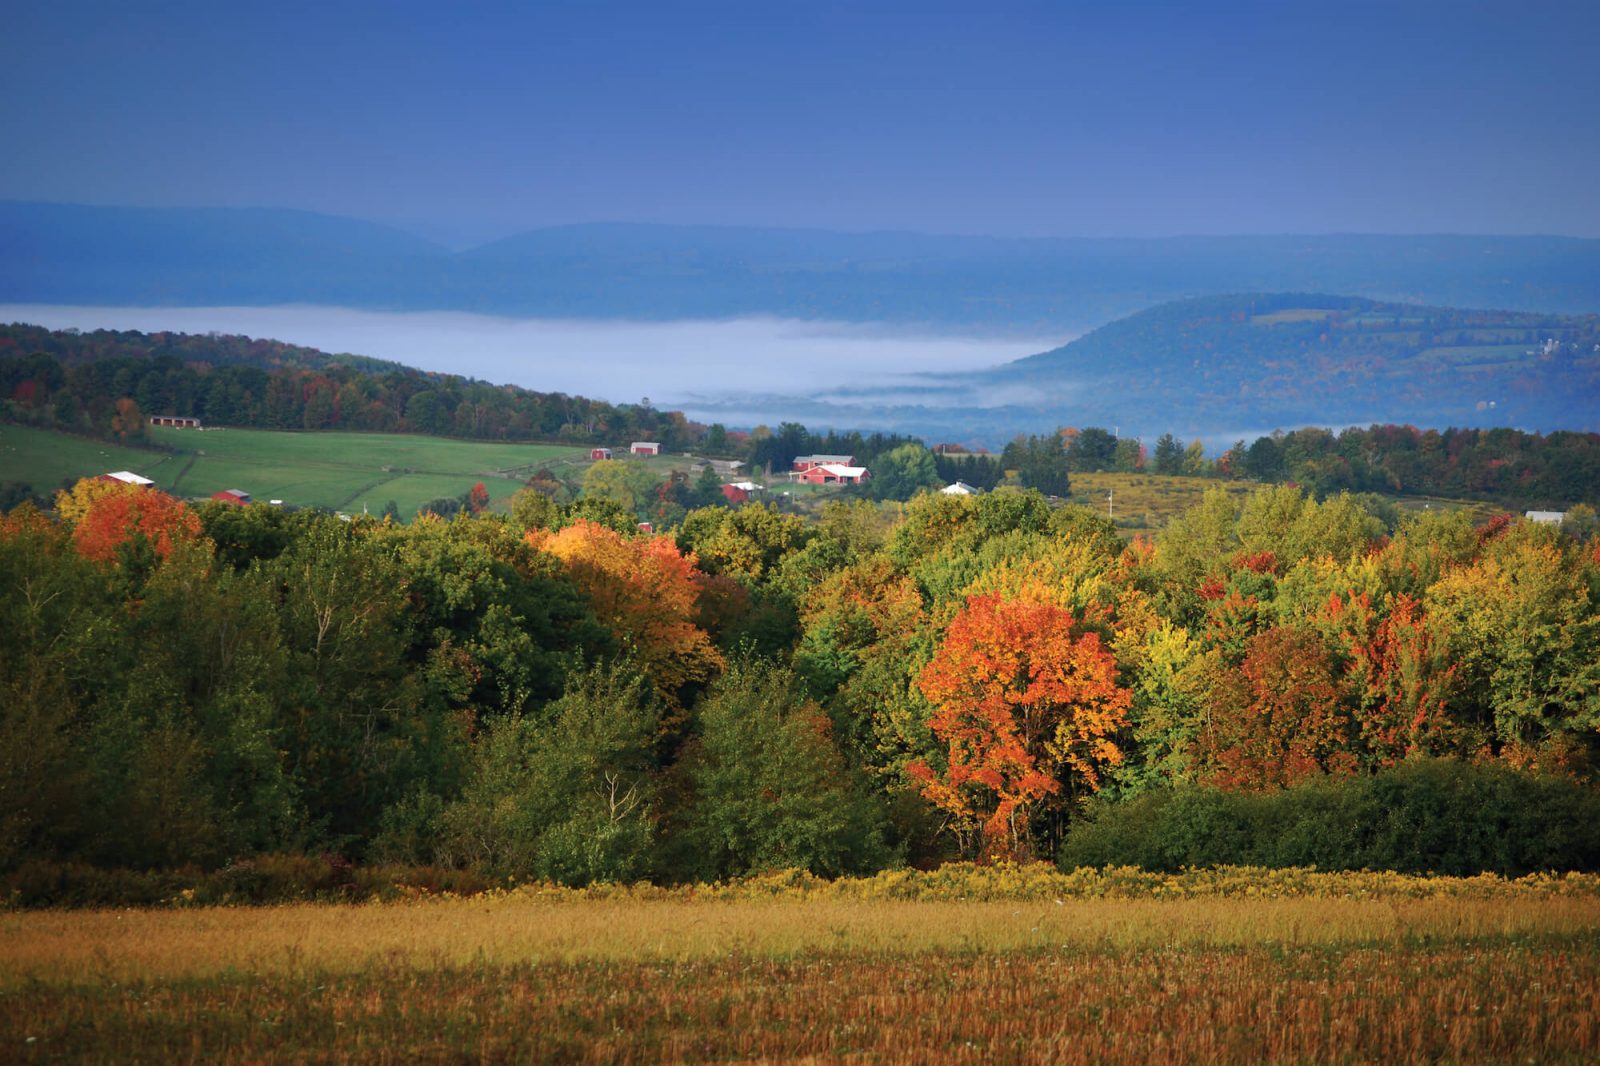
(554, 694)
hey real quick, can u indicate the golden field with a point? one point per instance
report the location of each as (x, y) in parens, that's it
(1236, 966)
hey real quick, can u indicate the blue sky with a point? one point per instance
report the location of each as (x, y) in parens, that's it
(469, 121)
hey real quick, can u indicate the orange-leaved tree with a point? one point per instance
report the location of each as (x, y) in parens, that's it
(123, 517)
(1022, 703)
(645, 590)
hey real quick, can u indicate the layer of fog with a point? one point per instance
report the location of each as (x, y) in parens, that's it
(762, 367)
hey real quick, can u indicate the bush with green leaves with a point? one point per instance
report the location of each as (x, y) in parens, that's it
(1440, 816)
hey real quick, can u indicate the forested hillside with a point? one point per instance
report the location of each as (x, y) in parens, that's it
(86, 381)
(1293, 359)
(556, 695)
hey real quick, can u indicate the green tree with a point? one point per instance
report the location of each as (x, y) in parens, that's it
(566, 795)
(1169, 455)
(770, 790)
(902, 473)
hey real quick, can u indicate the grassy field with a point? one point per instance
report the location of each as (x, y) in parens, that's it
(1143, 502)
(48, 459)
(1484, 972)
(344, 471)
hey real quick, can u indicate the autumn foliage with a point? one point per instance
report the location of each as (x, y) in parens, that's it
(646, 591)
(113, 515)
(1022, 703)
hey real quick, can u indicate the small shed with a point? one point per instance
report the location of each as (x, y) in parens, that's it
(1546, 518)
(646, 527)
(237, 497)
(644, 447)
(175, 421)
(598, 454)
(740, 491)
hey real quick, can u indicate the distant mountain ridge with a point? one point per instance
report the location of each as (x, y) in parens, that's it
(56, 253)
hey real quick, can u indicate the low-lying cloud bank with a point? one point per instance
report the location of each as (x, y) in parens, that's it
(763, 368)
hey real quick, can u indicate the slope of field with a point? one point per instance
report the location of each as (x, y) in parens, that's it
(345, 471)
(49, 460)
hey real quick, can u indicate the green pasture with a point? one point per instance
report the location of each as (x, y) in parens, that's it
(339, 470)
(49, 460)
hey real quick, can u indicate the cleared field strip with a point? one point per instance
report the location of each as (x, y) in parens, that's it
(67, 947)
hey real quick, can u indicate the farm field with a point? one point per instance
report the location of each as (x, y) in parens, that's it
(344, 471)
(1144, 502)
(567, 977)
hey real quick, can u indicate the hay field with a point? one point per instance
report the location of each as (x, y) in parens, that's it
(546, 975)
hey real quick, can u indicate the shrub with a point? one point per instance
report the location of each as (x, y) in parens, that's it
(1422, 816)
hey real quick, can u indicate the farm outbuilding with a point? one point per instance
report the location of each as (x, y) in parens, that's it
(740, 491)
(1546, 518)
(803, 463)
(644, 447)
(834, 474)
(175, 421)
(960, 488)
(127, 477)
(598, 454)
(237, 497)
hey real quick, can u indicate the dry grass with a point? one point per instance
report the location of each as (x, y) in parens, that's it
(87, 947)
(1358, 967)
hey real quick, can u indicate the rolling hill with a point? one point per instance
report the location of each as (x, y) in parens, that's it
(1265, 360)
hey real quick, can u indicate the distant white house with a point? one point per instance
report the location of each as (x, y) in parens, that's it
(960, 488)
(1547, 518)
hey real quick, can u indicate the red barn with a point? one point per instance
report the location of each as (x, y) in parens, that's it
(739, 491)
(834, 474)
(237, 497)
(599, 453)
(644, 447)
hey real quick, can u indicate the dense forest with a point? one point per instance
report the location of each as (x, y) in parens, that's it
(557, 695)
